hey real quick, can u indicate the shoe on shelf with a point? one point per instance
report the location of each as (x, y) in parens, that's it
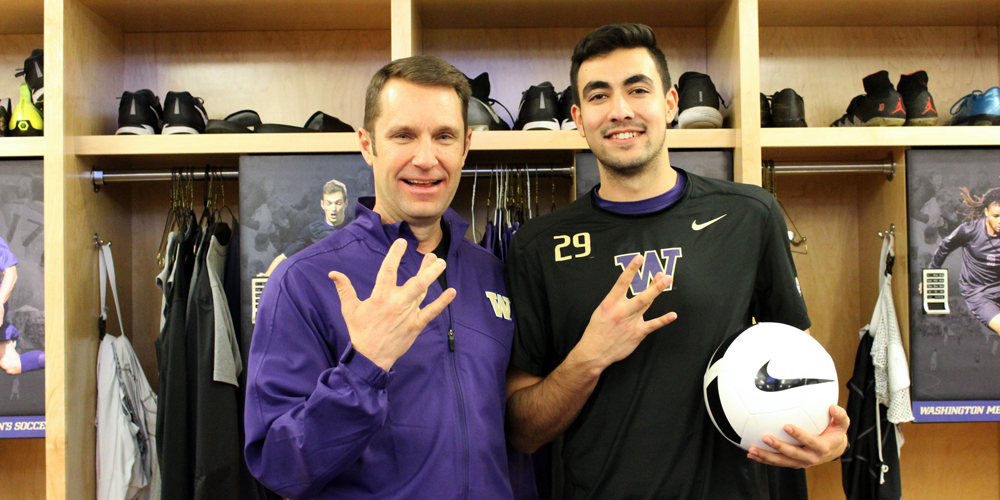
(566, 109)
(183, 114)
(765, 112)
(25, 119)
(698, 102)
(322, 122)
(920, 110)
(539, 108)
(788, 109)
(880, 106)
(977, 108)
(35, 77)
(240, 122)
(4, 116)
(139, 113)
(482, 116)
(318, 122)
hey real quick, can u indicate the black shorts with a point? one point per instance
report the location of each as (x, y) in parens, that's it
(985, 308)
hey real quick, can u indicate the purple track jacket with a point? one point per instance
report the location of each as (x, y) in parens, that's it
(323, 421)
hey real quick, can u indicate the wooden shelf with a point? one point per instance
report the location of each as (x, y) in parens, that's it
(13, 147)
(458, 14)
(879, 13)
(112, 145)
(145, 16)
(22, 17)
(879, 137)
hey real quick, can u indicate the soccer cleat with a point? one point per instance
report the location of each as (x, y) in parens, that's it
(25, 119)
(977, 108)
(765, 112)
(4, 116)
(34, 76)
(566, 109)
(917, 100)
(539, 108)
(482, 116)
(183, 114)
(240, 122)
(698, 102)
(139, 113)
(788, 109)
(880, 106)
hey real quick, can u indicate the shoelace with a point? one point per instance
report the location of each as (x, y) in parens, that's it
(494, 101)
(961, 103)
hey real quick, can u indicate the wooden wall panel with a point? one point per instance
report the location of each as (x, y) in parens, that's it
(14, 49)
(22, 468)
(825, 65)
(829, 277)
(284, 76)
(519, 58)
(950, 461)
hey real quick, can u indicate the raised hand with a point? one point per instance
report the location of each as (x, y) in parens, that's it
(384, 326)
(617, 327)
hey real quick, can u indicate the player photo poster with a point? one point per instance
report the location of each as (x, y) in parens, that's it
(953, 211)
(288, 203)
(22, 328)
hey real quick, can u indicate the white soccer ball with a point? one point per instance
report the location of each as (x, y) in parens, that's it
(765, 377)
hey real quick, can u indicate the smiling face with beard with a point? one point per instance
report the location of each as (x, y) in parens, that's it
(624, 111)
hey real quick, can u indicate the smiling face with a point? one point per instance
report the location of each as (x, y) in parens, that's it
(992, 213)
(421, 143)
(623, 110)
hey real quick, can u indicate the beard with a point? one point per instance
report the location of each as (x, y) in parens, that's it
(623, 168)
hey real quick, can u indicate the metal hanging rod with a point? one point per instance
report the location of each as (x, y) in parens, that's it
(100, 178)
(885, 167)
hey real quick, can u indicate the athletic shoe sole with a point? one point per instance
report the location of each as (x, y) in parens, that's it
(700, 117)
(568, 125)
(18, 131)
(980, 120)
(921, 122)
(132, 130)
(542, 125)
(179, 129)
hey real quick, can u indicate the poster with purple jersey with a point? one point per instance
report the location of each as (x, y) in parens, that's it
(953, 212)
(286, 204)
(22, 327)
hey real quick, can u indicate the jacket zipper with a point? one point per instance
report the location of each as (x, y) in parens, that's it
(458, 388)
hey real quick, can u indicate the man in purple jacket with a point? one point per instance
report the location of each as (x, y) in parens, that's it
(374, 372)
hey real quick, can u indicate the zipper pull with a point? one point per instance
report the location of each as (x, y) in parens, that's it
(451, 340)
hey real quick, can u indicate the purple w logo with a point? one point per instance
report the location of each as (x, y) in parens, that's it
(650, 266)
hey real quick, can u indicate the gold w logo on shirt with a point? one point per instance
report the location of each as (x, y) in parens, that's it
(501, 305)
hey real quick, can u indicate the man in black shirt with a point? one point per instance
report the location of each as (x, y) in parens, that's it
(688, 261)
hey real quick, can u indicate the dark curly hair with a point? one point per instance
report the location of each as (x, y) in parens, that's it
(979, 203)
(609, 38)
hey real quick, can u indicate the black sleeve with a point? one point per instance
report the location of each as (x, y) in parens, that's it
(958, 238)
(303, 240)
(532, 347)
(777, 295)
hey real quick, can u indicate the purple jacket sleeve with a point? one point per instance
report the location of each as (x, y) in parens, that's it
(310, 412)
(957, 239)
(32, 360)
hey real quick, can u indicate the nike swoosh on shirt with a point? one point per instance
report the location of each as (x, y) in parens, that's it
(767, 383)
(699, 227)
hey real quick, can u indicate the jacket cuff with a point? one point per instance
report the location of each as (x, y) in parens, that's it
(363, 368)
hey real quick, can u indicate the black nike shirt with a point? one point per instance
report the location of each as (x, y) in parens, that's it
(644, 432)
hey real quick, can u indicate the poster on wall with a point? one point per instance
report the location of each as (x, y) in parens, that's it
(22, 327)
(953, 211)
(286, 204)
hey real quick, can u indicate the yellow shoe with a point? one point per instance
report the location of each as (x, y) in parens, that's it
(25, 120)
